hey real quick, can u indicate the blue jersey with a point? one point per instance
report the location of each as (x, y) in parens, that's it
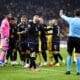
(74, 25)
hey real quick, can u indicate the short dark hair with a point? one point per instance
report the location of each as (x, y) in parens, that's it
(77, 12)
(12, 18)
(23, 16)
(6, 12)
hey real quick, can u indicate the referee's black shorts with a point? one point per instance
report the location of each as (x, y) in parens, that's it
(73, 43)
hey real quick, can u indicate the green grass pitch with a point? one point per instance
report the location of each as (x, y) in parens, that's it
(46, 73)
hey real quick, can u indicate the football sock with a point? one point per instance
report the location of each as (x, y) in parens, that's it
(78, 64)
(69, 62)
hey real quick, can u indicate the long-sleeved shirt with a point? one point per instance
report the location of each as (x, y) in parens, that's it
(56, 33)
(32, 33)
(42, 29)
(74, 25)
(20, 28)
(5, 28)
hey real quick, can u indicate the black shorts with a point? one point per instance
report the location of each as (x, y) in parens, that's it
(56, 46)
(33, 46)
(24, 46)
(12, 44)
(73, 43)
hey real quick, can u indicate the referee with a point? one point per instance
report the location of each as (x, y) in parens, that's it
(73, 39)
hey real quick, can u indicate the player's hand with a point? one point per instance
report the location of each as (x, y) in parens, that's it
(18, 33)
(61, 13)
(7, 40)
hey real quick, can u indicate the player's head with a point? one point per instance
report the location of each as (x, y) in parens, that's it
(54, 21)
(77, 12)
(24, 19)
(13, 20)
(35, 19)
(41, 20)
(50, 23)
(7, 14)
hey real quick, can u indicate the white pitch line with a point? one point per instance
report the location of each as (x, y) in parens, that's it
(51, 70)
(41, 69)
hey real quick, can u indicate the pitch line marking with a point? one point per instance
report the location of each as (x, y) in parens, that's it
(41, 69)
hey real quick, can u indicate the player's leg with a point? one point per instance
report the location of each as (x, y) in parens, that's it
(11, 55)
(55, 53)
(4, 44)
(7, 56)
(19, 51)
(59, 55)
(50, 58)
(34, 52)
(27, 55)
(77, 51)
(44, 54)
(14, 57)
(2, 56)
(27, 59)
(15, 52)
(56, 63)
(32, 60)
(49, 47)
(70, 47)
(78, 63)
(23, 52)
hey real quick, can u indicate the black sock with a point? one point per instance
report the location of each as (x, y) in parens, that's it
(56, 58)
(27, 58)
(15, 56)
(23, 56)
(28, 61)
(32, 62)
(8, 54)
(59, 56)
(44, 56)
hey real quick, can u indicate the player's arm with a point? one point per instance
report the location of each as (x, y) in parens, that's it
(49, 31)
(63, 16)
(22, 32)
(2, 30)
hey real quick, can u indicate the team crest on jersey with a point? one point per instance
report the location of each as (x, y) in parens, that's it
(29, 25)
(36, 29)
(22, 26)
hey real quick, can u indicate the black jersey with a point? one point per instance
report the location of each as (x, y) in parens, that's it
(56, 33)
(22, 27)
(42, 30)
(13, 32)
(13, 36)
(32, 34)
